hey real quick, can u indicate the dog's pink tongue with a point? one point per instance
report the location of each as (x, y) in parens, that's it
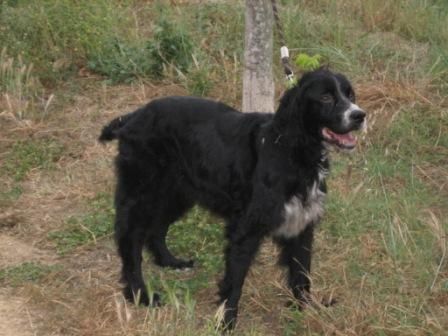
(347, 139)
(344, 138)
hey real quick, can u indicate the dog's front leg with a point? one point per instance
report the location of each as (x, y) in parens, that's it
(239, 256)
(296, 256)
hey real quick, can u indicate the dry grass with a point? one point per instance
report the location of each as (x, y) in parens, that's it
(83, 298)
(18, 87)
(381, 251)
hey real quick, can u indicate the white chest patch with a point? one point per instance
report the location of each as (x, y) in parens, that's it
(298, 213)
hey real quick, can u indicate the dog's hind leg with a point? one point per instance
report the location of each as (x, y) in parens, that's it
(156, 240)
(156, 243)
(130, 235)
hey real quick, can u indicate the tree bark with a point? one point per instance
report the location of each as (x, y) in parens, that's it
(258, 82)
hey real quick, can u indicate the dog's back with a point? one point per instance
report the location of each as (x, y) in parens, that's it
(175, 113)
(205, 145)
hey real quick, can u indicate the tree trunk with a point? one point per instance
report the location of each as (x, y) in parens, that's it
(258, 82)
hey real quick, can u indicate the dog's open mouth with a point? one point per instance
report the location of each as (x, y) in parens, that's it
(344, 141)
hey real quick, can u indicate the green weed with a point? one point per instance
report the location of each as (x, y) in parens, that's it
(197, 236)
(27, 155)
(24, 273)
(198, 81)
(170, 46)
(11, 194)
(83, 229)
(123, 61)
(307, 63)
(292, 320)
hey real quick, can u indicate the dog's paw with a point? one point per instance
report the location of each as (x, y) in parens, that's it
(141, 297)
(228, 323)
(155, 300)
(328, 302)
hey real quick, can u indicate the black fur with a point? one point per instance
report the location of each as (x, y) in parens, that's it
(179, 151)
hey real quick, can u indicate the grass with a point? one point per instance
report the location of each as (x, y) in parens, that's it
(27, 272)
(97, 222)
(27, 155)
(58, 37)
(49, 43)
(10, 194)
(18, 88)
(169, 46)
(382, 247)
(372, 36)
(198, 236)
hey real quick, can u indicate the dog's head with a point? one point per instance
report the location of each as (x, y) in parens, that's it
(324, 105)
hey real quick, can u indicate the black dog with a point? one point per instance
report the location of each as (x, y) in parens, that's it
(263, 173)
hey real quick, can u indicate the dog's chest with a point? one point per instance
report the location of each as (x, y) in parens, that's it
(298, 212)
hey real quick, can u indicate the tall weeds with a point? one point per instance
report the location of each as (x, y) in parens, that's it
(19, 89)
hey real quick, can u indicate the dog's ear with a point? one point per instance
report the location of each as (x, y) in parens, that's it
(288, 119)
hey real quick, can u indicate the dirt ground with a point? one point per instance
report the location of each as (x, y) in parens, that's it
(15, 316)
(15, 319)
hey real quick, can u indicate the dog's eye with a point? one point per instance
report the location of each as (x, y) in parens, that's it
(351, 96)
(327, 98)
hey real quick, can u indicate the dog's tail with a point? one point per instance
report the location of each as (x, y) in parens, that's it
(110, 131)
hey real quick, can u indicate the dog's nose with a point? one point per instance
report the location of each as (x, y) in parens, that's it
(357, 116)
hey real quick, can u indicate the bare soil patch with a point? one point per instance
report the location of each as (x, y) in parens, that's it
(15, 319)
(14, 252)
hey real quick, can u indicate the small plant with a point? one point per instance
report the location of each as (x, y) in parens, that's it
(18, 88)
(9, 194)
(26, 272)
(170, 46)
(31, 154)
(305, 63)
(120, 61)
(308, 63)
(80, 230)
(199, 82)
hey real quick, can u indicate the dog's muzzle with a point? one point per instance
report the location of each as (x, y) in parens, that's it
(354, 118)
